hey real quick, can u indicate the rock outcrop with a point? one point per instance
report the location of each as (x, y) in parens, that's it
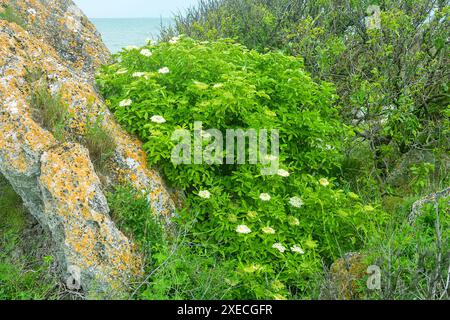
(57, 46)
(344, 278)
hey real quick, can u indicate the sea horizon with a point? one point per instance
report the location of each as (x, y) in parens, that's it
(118, 33)
(98, 18)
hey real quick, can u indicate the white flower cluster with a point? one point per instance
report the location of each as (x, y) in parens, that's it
(283, 173)
(158, 119)
(121, 71)
(138, 74)
(164, 70)
(146, 53)
(265, 197)
(125, 103)
(296, 202)
(279, 247)
(297, 249)
(243, 229)
(268, 230)
(174, 40)
(282, 249)
(205, 194)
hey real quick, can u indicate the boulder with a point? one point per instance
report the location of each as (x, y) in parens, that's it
(345, 277)
(55, 44)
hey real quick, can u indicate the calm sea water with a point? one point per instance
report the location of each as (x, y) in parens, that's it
(119, 33)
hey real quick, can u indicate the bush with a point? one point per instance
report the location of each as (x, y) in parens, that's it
(308, 218)
(392, 81)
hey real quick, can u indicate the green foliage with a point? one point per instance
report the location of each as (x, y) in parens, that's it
(99, 142)
(421, 173)
(226, 86)
(49, 109)
(13, 220)
(414, 259)
(132, 214)
(174, 268)
(186, 273)
(393, 82)
(20, 277)
(10, 14)
(18, 282)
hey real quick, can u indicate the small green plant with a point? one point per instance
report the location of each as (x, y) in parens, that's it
(11, 210)
(49, 109)
(33, 75)
(414, 259)
(10, 14)
(20, 276)
(19, 282)
(99, 142)
(132, 214)
(421, 176)
(174, 268)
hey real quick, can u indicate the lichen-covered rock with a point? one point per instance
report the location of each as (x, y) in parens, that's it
(63, 26)
(57, 180)
(345, 277)
(76, 212)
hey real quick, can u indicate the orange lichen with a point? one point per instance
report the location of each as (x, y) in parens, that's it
(346, 275)
(73, 187)
(73, 195)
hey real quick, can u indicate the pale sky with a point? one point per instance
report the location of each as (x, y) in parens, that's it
(132, 8)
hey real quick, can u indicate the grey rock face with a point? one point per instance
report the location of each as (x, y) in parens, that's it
(56, 180)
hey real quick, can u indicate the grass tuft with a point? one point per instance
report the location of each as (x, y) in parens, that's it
(49, 109)
(10, 14)
(22, 276)
(99, 142)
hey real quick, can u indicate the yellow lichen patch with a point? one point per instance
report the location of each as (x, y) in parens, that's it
(82, 243)
(346, 273)
(19, 135)
(73, 28)
(66, 53)
(84, 103)
(68, 176)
